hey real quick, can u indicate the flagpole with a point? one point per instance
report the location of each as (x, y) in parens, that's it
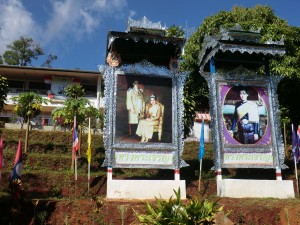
(200, 171)
(75, 168)
(296, 174)
(89, 171)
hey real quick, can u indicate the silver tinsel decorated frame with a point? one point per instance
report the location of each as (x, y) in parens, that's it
(267, 153)
(127, 154)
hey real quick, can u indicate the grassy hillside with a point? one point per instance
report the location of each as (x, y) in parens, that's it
(51, 195)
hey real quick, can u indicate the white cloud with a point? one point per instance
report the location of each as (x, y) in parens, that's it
(65, 19)
(132, 13)
(15, 21)
(80, 18)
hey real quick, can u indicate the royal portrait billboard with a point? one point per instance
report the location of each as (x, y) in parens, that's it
(246, 129)
(245, 125)
(143, 124)
(245, 114)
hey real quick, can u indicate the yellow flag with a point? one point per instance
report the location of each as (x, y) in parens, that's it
(89, 150)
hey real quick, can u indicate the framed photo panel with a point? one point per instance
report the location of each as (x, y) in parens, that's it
(143, 117)
(246, 127)
(143, 100)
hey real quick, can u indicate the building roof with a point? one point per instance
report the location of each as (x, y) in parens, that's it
(199, 115)
(16, 72)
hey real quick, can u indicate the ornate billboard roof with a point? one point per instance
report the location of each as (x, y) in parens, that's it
(233, 47)
(143, 40)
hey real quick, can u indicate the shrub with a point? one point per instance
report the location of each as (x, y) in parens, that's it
(174, 211)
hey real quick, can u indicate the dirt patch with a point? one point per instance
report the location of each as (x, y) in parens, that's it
(78, 204)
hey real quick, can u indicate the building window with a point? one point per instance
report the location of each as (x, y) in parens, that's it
(37, 85)
(15, 84)
(90, 90)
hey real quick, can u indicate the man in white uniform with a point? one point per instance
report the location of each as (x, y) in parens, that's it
(135, 104)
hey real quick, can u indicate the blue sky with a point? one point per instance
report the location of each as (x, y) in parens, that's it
(76, 30)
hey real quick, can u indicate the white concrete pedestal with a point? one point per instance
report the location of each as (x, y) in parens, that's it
(236, 188)
(144, 189)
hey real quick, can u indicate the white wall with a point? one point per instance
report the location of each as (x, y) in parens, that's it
(195, 133)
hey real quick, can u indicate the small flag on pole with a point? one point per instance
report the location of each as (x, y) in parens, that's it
(17, 170)
(75, 146)
(89, 150)
(201, 146)
(295, 143)
(201, 152)
(1, 156)
(75, 139)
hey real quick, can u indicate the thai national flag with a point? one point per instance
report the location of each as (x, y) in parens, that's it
(75, 139)
(16, 172)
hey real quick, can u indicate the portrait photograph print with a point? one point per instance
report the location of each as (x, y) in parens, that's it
(143, 109)
(245, 115)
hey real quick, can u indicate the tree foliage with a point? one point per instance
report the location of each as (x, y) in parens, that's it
(49, 60)
(3, 91)
(272, 28)
(175, 31)
(74, 91)
(21, 52)
(28, 105)
(76, 105)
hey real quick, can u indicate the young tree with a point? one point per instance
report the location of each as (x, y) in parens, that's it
(272, 28)
(76, 105)
(3, 91)
(74, 91)
(21, 52)
(28, 106)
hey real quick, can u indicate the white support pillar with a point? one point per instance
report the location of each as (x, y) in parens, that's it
(219, 174)
(278, 174)
(109, 173)
(99, 92)
(177, 174)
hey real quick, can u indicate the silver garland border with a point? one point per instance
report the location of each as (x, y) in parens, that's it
(242, 76)
(143, 68)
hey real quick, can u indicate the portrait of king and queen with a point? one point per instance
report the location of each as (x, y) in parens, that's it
(143, 109)
(245, 115)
